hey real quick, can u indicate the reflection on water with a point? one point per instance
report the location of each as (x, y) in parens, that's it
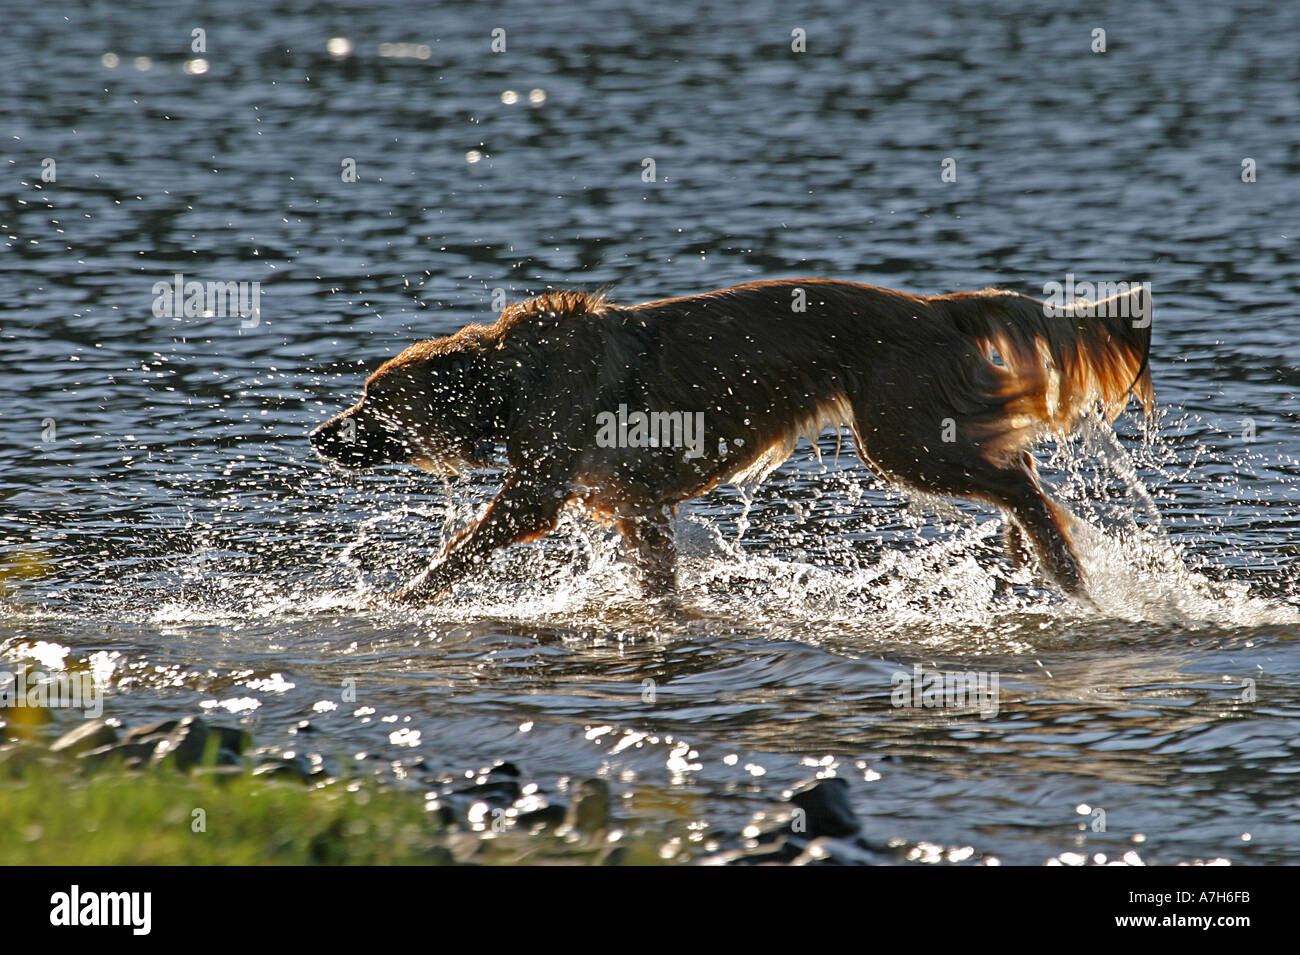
(163, 520)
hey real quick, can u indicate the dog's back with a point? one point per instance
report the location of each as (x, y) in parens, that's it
(926, 384)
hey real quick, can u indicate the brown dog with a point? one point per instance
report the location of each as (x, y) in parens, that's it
(630, 409)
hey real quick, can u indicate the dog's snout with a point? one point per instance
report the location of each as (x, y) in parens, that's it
(348, 440)
(325, 438)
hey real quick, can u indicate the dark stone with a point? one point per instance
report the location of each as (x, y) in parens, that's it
(89, 735)
(826, 851)
(826, 807)
(226, 757)
(778, 851)
(232, 738)
(133, 754)
(184, 746)
(500, 791)
(551, 815)
(444, 813)
(292, 767)
(149, 730)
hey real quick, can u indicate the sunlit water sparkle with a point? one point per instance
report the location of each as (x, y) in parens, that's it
(177, 537)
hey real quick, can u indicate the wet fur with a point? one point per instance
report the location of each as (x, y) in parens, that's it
(905, 373)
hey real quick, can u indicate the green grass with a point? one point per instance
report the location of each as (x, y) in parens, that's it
(56, 814)
(156, 818)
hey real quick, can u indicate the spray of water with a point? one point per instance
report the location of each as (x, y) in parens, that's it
(816, 550)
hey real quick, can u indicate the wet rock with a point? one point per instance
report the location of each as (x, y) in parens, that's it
(221, 763)
(497, 785)
(461, 808)
(132, 754)
(826, 809)
(226, 757)
(770, 848)
(232, 738)
(813, 829)
(551, 815)
(89, 735)
(184, 746)
(442, 812)
(151, 731)
(589, 811)
(826, 851)
(285, 767)
(489, 804)
(304, 726)
(496, 791)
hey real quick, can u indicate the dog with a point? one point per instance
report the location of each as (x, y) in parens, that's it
(945, 394)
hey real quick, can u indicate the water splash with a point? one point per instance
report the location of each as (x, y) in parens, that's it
(814, 553)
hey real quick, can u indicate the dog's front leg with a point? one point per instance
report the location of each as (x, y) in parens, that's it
(649, 538)
(522, 511)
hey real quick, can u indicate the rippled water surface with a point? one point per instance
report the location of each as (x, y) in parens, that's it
(164, 521)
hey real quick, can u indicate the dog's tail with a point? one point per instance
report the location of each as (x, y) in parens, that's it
(1041, 367)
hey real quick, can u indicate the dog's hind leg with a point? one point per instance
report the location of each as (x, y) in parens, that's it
(649, 539)
(1014, 546)
(903, 454)
(1017, 491)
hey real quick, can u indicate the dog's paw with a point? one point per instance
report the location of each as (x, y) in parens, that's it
(424, 589)
(408, 596)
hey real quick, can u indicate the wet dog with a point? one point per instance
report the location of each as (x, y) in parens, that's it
(630, 409)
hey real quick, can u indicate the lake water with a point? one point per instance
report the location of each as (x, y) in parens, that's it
(165, 523)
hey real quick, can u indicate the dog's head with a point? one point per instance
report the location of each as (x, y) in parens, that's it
(422, 407)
